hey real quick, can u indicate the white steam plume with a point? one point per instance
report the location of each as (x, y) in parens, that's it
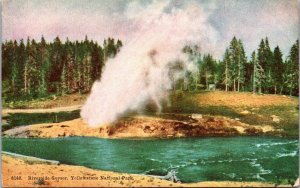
(140, 71)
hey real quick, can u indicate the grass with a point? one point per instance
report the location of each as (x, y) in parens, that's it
(259, 113)
(50, 101)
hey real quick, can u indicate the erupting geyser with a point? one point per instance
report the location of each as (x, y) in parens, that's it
(141, 70)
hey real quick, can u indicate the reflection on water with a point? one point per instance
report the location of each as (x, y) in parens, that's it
(18, 119)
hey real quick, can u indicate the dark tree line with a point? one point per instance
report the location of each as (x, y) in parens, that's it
(265, 72)
(37, 69)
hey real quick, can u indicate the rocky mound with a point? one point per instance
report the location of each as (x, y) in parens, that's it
(144, 126)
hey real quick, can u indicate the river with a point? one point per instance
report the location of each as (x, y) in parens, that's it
(270, 159)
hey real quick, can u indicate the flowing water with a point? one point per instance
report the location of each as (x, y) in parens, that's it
(194, 159)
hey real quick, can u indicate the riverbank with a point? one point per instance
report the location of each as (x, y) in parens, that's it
(145, 126)
(31, 174)
(203, 98)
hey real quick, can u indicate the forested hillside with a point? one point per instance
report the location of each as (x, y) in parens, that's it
(39, 69)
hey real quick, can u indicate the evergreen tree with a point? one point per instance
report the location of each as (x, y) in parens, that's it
(258, 74)
(270, 82)
(63, 80)
(5, 61)
(262, 60)
(43, 64)
(14, 75)
(248, 82)
(226, 76)
(56, 66)
(237, 61)
(71, 69)
(110, 49)
(291, 75)
(234, 59)
(208, 70)
(265, 58)
(97, 62)
(21, 61)
(10, 71)
(241, 65)
(87, 70)
(277, 70)
(67, 75)
(33, 69)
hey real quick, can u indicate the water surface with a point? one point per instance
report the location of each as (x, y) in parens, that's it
(194, 159)
(20, 119)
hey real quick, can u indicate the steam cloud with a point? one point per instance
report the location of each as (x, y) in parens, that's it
(141, 70)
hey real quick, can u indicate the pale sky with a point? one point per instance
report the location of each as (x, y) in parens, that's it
(249, 20)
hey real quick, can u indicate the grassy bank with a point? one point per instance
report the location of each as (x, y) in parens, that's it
(51, 101)
(246, 107)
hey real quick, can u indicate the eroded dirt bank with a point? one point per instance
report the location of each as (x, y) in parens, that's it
(145, 126)
(49, 175)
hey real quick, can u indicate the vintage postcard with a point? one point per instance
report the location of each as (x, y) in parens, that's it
(150, 93)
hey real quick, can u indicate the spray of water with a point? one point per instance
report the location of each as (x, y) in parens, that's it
(141, 71)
